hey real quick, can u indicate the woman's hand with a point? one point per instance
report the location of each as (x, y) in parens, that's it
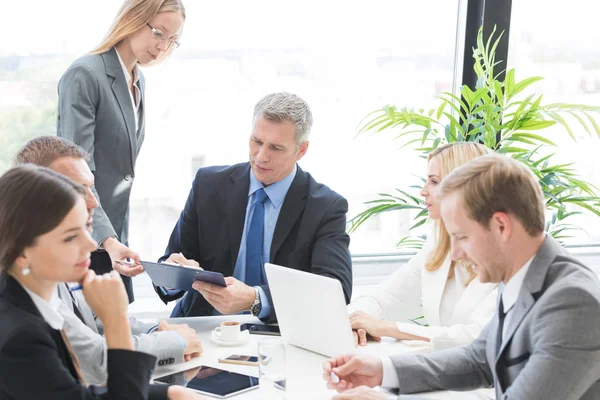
(105, 294)
(107, 297)
(363, 324)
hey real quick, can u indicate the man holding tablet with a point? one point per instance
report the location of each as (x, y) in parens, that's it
(239, 217)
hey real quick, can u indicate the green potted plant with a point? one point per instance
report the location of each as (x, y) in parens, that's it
(500, 116)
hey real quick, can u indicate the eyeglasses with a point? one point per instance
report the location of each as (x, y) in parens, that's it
(160, 35)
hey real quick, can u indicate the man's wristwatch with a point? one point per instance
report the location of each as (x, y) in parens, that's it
(256, 306)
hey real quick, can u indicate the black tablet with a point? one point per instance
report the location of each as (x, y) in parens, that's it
(212, 382)
(178, 277)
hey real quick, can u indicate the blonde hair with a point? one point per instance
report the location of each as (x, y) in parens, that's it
(497, 183)
(133, 16)
(451, 156)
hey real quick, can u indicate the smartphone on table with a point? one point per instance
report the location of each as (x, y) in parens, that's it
(259, 329)
(240, 360)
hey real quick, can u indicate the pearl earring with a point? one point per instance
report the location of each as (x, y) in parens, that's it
(25, 271)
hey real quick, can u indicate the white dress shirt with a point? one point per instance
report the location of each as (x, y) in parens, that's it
(510, 292)
(135, 100)
(49, 310)
(509, 295)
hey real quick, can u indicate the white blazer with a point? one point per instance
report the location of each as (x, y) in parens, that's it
(412, 291)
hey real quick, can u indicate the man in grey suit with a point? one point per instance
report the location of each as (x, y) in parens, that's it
(170, 343)
(543, 343)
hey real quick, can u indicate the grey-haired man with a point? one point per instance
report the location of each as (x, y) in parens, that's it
(241, 216)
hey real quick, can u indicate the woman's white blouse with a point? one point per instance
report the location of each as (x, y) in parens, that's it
(455, 313)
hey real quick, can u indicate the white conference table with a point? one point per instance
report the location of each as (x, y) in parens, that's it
(303, 368)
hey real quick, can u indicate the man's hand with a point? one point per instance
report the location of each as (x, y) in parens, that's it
(178, 258)
(193, 347)
(175, 392)
(118, 251)
(362, 393)
(353, 371)
(363, 324)
(235, 297)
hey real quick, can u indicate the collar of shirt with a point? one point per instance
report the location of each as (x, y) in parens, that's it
(277, 191)
(136, 75)
(510, 290)
(49, 310)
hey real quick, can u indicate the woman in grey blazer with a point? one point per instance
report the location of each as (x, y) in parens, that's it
(101, 108)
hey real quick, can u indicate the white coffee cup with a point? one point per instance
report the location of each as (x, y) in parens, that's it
(229, 331)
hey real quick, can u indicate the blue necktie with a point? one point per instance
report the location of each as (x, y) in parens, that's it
(254, 241)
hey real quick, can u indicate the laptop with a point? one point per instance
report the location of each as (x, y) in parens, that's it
(311, 311)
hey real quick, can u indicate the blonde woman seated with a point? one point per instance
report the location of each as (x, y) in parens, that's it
(455, 305)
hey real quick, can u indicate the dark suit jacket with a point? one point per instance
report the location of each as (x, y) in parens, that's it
(35, 363)
(310, 234)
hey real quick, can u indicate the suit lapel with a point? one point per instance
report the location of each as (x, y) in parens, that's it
(13, 292)
(292, 208)
(532, 285)
(85, 313)
(236, 201)
(142, 121)
(121, 92)
(524, 303)
(434, 284)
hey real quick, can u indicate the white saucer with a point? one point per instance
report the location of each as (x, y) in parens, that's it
(244, 337)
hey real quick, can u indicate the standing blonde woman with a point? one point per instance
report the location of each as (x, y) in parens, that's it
(456, 306)
(101, 107)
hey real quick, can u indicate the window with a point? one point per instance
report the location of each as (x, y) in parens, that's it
(345, 58)
(562, 45)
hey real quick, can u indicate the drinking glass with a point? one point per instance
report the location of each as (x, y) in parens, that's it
(271, 368)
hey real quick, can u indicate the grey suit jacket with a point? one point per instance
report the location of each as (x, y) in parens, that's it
(95, 112)
(551, 349)
(91, 349)
(94, 323)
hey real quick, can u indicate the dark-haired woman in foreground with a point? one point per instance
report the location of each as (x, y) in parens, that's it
(44, 241)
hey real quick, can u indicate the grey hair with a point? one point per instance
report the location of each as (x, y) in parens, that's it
(284, 106)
